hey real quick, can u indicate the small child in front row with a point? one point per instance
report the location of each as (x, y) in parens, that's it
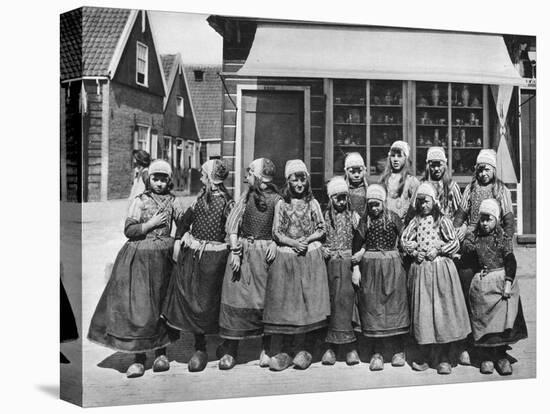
(383, 301)
(341, 224)
(495, 305)
(438, 310)
(296, 299)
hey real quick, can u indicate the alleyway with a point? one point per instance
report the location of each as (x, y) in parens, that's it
(106, 383)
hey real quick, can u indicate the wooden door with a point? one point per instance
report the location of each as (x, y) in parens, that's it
(529, 160)
(273, 127)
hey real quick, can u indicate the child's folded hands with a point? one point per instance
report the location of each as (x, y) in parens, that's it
(271, 252)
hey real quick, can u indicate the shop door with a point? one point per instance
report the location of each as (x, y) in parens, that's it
(273, 127)
(529, 160)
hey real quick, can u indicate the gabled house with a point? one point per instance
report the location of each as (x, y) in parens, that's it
(206, 90)
(180, 142)
(112, 100)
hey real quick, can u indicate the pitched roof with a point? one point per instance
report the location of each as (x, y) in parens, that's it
(207, 100)
(167, 64)
(88, 40)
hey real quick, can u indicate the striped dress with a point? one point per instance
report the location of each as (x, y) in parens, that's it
(438, 308)
(473, 195)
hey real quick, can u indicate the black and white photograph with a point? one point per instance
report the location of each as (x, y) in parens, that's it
(261, 204)
(318, 207)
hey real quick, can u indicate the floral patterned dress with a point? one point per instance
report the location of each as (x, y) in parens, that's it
(438, 308)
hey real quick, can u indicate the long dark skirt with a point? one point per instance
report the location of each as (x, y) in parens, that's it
(297, 298)
(342, 300)
(383, 297)
(127, 317)
(193, 301)
(243, 294)
(496, 321)
(438, 308)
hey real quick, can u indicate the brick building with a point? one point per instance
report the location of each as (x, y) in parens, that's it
(112, 100)
(180, 143)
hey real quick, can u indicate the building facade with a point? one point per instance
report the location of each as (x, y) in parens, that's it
(318, 91)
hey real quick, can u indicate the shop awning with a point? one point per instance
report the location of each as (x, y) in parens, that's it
(320, 51)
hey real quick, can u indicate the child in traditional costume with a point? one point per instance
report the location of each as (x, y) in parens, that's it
(446, 189)
(438, 311)
(297, 298)
(484, 185)
(383, 301)
(341, 224)
(495, 306)
(356, 177)
(128, 315)
(250, 230)
(399, 182)
(193, 300)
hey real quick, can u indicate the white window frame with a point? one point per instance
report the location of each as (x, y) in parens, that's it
(166, 139)
(180, 144)
(145, 73)
(147, 140)
(154, 146)
(180, 106)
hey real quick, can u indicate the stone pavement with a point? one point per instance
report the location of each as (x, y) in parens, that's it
(103, 369)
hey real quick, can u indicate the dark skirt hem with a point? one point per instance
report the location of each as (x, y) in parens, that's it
(189, 328)
(240, 323)
(442, 341)
(508, 337)
(293, 329)
(386, 333)
(340, 337)
(233, 334)
(132, 346)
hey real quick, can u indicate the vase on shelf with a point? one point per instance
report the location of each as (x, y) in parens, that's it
(465, 95)
(388, 99)
(435, 95)
(436, 136)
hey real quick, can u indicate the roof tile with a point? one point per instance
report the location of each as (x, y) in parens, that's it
(88, 39)
(207, 100)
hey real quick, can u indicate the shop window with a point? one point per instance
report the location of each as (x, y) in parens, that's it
(450, 116)
(142, 64)
(385, 118)
(368, 115)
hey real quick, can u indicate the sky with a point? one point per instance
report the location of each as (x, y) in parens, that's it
(189, 34)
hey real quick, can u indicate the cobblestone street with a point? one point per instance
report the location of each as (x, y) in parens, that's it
(104, 369)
